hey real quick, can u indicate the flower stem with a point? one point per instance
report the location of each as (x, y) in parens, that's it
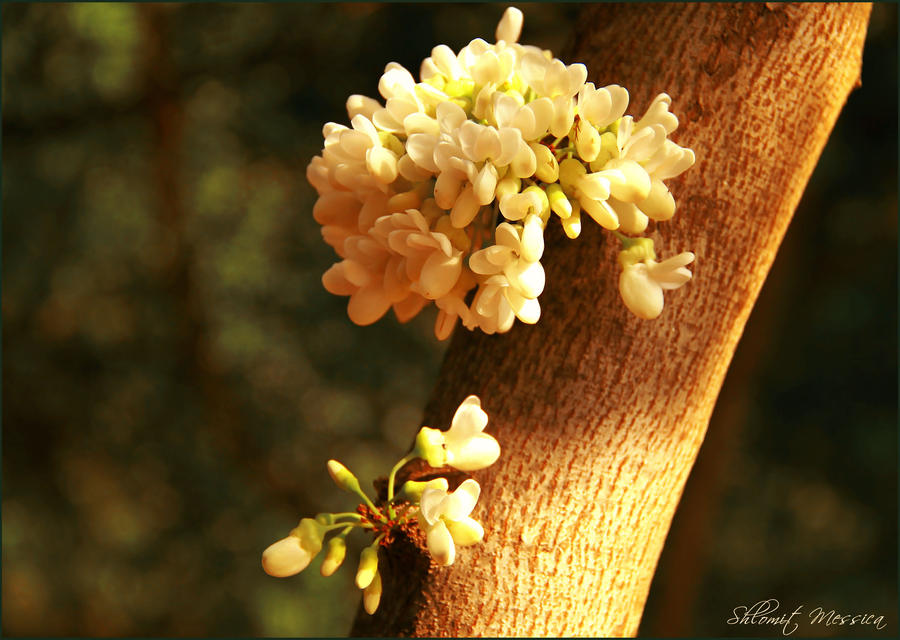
(391, 477)
(349, 514)
(338, 525)
(626, 241)
(369, 503)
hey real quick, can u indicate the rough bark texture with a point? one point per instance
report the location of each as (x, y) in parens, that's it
(600, 414)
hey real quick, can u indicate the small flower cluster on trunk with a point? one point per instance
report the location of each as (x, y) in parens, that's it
(442, 515)
(442, 194)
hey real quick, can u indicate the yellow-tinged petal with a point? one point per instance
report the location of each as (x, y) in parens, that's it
(659, 204)
(601, 212)
(465, 532)
(631, 219)
(335, 282)
(439, 274)
(368, 567)
(334, 556)
(510, 26)
(634, 185)
(572, 224)
(285, 558)
(368, 305)
(465, 208)
(642, 295)
(372, 594)
(440, 544)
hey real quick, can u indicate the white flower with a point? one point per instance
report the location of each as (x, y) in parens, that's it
(641, 284)
(592, 190)
(480, 122)
(431, 265)
(356, 158)
(516, 254)
(361, 275)
(515, 277)
(468, 448)
(552, 78)
(452, 306)
(398, 262)
(601, 107)
(645, 143)
(444, 517)
(463, 446)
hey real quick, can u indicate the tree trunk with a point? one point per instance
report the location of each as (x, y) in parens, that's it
(601, 414)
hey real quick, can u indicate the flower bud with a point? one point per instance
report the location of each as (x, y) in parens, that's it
(430, 447)
(368, 567)
(572, 224)
(285, 558)
(372, 594)
(334, 555)
(412, 490)
(510, 26)
(342, 477)
(559, 203)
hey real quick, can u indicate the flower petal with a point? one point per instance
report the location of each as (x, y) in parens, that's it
(659, 204)
(368, 305)
(440, 544)
(431, 505)
(439, 274)
(469, 420)
(461, 502)
(471, 454)
(510, 26)
(336, 282)
(642, 295)
(285, 558)
(466, 532)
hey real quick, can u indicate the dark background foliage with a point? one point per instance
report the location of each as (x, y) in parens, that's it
(175, 377)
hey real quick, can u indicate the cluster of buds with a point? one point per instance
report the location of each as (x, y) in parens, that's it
(443, 193)
(442, 515)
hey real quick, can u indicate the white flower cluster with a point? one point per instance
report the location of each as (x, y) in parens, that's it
(442, 516)
(443, 193)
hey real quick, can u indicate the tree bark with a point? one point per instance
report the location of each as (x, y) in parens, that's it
(601, 414)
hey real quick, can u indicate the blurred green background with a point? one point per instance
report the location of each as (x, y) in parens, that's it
(175, 376)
